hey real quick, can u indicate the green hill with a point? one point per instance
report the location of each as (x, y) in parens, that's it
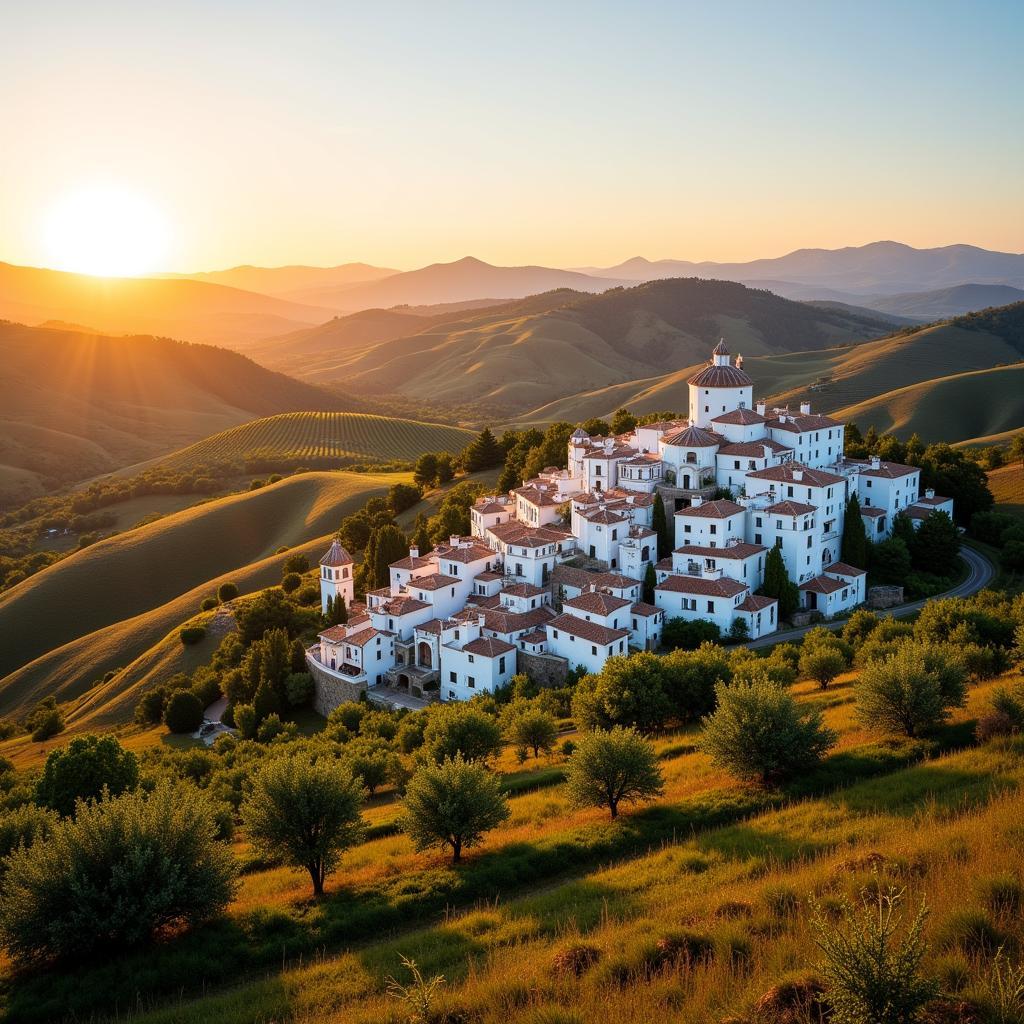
(506, 359)
(77, 403)
(131, 574)
(324, 435)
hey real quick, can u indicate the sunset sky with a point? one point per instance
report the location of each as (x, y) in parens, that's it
(565, 134)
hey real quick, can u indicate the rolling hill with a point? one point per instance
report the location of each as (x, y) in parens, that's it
(1007, 486)
(509, 358)
(884, 268)
(835, 380)
(294, 283)
(323, 435)
(947, 302)
(102, 599)
(78, 404)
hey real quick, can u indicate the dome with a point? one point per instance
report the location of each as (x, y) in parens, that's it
(336, 555)
(693, 437)
(721, 377)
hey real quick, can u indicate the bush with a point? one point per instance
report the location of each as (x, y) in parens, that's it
(83, 769)
(609, 768)
(822, 664)
(308, 595)
(184, 712)
(459, 730)
(295, 563)
(452, 805)
(191, 634)
(208, 604)
(46, 720)
(23, 826)
(113, 876)
(291, 583)
(227, 592)
(759, 733)
(689, 634)
(305, 814)
(872, 964)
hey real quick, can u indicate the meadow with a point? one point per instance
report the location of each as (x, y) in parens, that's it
(691, 907)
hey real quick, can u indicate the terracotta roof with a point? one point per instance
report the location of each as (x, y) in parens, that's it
(489, 576)
(411, 563)
(664, 564)
(845, 570)
(364, 636)
(604, 517)
(823, 585)
(741, 550)
(872, 511)
(538, 636)
(754, 449)
(484, 601)
(916, 512)
(488, 647)
(334, 634)
(740, 417)
(755, 603)
(570, 576)
(502, 620)
(491, 506)
(787, 473)
(641, 532)
(535, 496)
(435, 581)
(597, 602)
(801, 423)
(473, 553)
(524, 590)
(362, 618)
(885, 470)
(693, 437)
(723, 587)
(721, 509)
(527, 536)
(721, 377)
(720, 349)
(790, 508)
(645, 610)
(336, 555)
(593, 632)
(618, 452)
(401, 605)
(935, 500)
(437, 625)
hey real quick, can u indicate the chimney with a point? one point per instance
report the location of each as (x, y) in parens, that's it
(876, 462)
(760, 407)
(798, 475)
(805, 408)
(929, 492)
(453, 540)
(696, 501)
(480, 620)
(739, 362)
(414, 552)
(593, 588)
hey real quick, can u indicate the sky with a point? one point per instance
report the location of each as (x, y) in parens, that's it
(564, 134)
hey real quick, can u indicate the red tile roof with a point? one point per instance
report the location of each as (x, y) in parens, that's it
(721, 509)
(603, 517)
(801, 423)
(788, 472)
(501, 620)
(693, 437)
(524, 590)
(592, 632)
(435, 581)
(645, 610)
(885, 470)
(935, 500)
(823, 585)
(488, 647)
(721, 377)
(596, 602)
(334, 634)
(402, 605)
(740, 417)
(336, 555)
(790, 508)
(842, 569)
(364, 636)
(723, 587)
(753, 449)
(411, 563)
(755, 603)
(538, 636)
(741, 550)
(872, 512)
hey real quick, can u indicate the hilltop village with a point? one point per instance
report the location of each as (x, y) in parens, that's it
(552, 575)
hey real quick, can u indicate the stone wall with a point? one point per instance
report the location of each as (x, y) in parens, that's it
(544, 669)
(885, 597)
(328, 690)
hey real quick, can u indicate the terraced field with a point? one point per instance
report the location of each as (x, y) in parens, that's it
(324, 435)
(1007, 485)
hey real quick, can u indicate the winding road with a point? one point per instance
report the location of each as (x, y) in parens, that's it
(980, 573)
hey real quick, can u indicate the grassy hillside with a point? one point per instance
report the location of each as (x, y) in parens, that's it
(948, 302)
(319, 435)
(1007, 486)
(841, 377)
(948, 408)
(719, 865)
(509, 358)
(135, 572)
(77, 404)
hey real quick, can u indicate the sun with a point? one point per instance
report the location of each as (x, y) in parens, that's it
(106, 230)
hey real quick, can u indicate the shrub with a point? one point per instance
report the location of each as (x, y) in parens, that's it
(1003, 895)
(291, 583)
(452, 805)
(83, 769)
(299, 688)
(184, 712)
(609, 768)
(971, 931)
(911, 691)
(305, 814)
(123, 868)
(208, 604)
(822, 664)
(295, 563)
(575, 960)
(689, 634)
(23, 826)
(457, 729)
(871, 964)
(227, 592)
(45, 720)
(246, 721)
(534, 729)
(191, 634)
(759, 733)
(308, 595)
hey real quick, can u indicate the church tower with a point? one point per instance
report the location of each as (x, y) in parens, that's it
(336, 576)
(719, 388)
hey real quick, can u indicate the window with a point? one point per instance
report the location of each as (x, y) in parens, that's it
(379, 655)
(714, 528)
(452, 677)
(471, 682)
(593, 649)
(554, 633)
(634, 624)
(757, 538)
(471, 659)
(711, 606)
(501, 664)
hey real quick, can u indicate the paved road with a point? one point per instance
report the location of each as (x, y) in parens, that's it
(981, 572)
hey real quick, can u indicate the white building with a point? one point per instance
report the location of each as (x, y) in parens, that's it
(461, 619)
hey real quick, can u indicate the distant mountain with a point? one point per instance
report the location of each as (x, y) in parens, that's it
(190, 310)
(888, 268)
(508, 358)
(79, 404)
(946, 302)
(466, 279)
(296, 283)
(864, 311)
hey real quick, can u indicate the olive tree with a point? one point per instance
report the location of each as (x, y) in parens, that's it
(613, 767)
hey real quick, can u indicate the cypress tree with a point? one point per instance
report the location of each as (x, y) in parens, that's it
(390, 546)
(777, 584)
(483, 453)
(660, 525)
(650, 582)
(422, 539)
(855, 540)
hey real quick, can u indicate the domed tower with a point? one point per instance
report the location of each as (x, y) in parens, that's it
(336, 576)
(719, 388)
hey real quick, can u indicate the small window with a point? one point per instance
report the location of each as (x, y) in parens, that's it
(452, 677)
(593, 649)
(471, 682)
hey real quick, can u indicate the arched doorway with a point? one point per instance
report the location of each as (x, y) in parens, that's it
(403, 681)
(686, 481)
(423, 655)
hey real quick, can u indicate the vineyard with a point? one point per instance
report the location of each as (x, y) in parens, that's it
(317, 436)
